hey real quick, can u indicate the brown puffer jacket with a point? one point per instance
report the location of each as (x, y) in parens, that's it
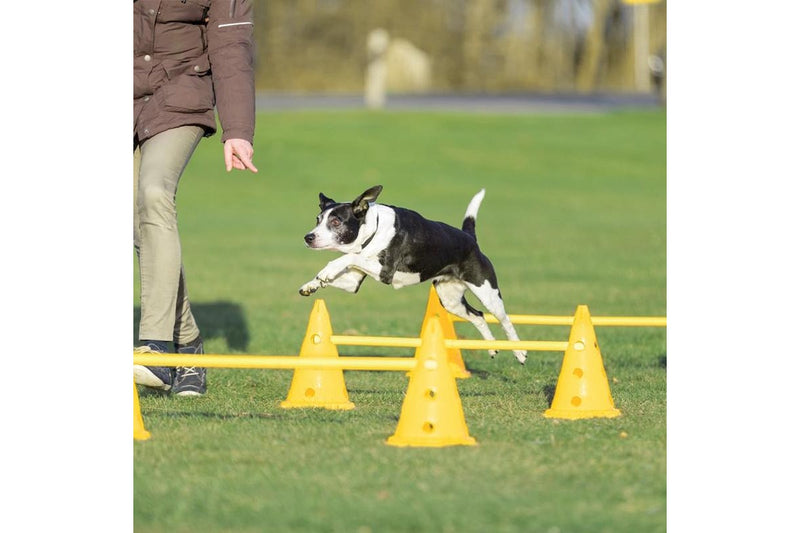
(188, 56)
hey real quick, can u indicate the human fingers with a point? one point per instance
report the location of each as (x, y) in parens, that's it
(227, 151)
(244, 152)
(247, 163)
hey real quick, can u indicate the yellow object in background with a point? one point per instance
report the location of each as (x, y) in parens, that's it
(139, 432)
(434, 310)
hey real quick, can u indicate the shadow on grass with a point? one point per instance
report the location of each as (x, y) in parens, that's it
(223, 416)
(328, 416)
(484, 374)
(549, 392)
(215, 320)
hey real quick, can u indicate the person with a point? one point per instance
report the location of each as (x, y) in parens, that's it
(188, 57)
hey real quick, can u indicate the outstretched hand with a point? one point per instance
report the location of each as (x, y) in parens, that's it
(238, 155)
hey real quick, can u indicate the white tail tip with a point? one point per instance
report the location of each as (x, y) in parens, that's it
(474, 204)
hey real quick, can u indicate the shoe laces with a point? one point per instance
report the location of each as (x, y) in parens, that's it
(187, 371)
(145, 349)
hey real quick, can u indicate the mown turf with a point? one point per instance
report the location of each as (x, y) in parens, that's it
(575, 213)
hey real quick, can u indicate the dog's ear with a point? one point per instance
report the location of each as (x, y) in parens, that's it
(324, 202)
(361, 204)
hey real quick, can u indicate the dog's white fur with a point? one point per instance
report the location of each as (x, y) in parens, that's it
(379, 225)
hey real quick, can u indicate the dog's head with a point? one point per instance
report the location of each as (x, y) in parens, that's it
(338, 223)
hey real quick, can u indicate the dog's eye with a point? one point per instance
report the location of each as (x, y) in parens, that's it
(335, 222)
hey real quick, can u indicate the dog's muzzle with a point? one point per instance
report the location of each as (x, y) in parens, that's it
(309, 238)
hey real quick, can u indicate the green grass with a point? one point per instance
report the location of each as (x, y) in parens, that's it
(575, 213)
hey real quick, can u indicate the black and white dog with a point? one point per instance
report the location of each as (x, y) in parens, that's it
(399, 247)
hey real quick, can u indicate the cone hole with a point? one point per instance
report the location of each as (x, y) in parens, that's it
(427, 427)
(310, 392)
(578, 372)
(576, 401)
(579, 345)
(316, 339)
(430, 394)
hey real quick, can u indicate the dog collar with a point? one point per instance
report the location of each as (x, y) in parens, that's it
(369, 239)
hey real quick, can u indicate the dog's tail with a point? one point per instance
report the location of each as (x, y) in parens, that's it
(468, 225)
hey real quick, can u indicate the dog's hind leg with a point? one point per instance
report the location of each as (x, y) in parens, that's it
(451, 295)
(490, 298)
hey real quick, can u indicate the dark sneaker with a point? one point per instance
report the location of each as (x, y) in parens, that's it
(190, 380)
(157, 377)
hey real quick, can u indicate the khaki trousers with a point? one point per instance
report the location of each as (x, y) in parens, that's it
(158, 164)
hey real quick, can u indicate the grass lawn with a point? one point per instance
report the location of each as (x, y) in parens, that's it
(575, 213)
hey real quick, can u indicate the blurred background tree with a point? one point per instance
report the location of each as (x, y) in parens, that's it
(470, 45)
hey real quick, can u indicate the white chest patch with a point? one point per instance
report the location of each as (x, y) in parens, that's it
(404, 279)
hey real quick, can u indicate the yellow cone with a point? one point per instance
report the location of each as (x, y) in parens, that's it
(316, 387)
(435, 310)
(431, 415)
(139, 432)
(582, 390)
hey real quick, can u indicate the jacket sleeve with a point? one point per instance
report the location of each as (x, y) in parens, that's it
(230, 52)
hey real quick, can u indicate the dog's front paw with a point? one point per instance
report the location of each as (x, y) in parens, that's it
(311, 287)
(327, 275)
(521, 356)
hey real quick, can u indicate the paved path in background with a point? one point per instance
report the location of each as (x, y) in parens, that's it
(478, 103)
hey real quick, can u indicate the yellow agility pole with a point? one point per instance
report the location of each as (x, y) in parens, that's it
(386, 342)
(275, 362)
(464, 344)
(636, 321)
(290, 362)
(538, 346)
(553, 320)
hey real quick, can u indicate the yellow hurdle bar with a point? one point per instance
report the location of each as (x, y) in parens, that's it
(276, 362)
(359, 340)
(551, 320)
(540, 346)
(466, 344)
